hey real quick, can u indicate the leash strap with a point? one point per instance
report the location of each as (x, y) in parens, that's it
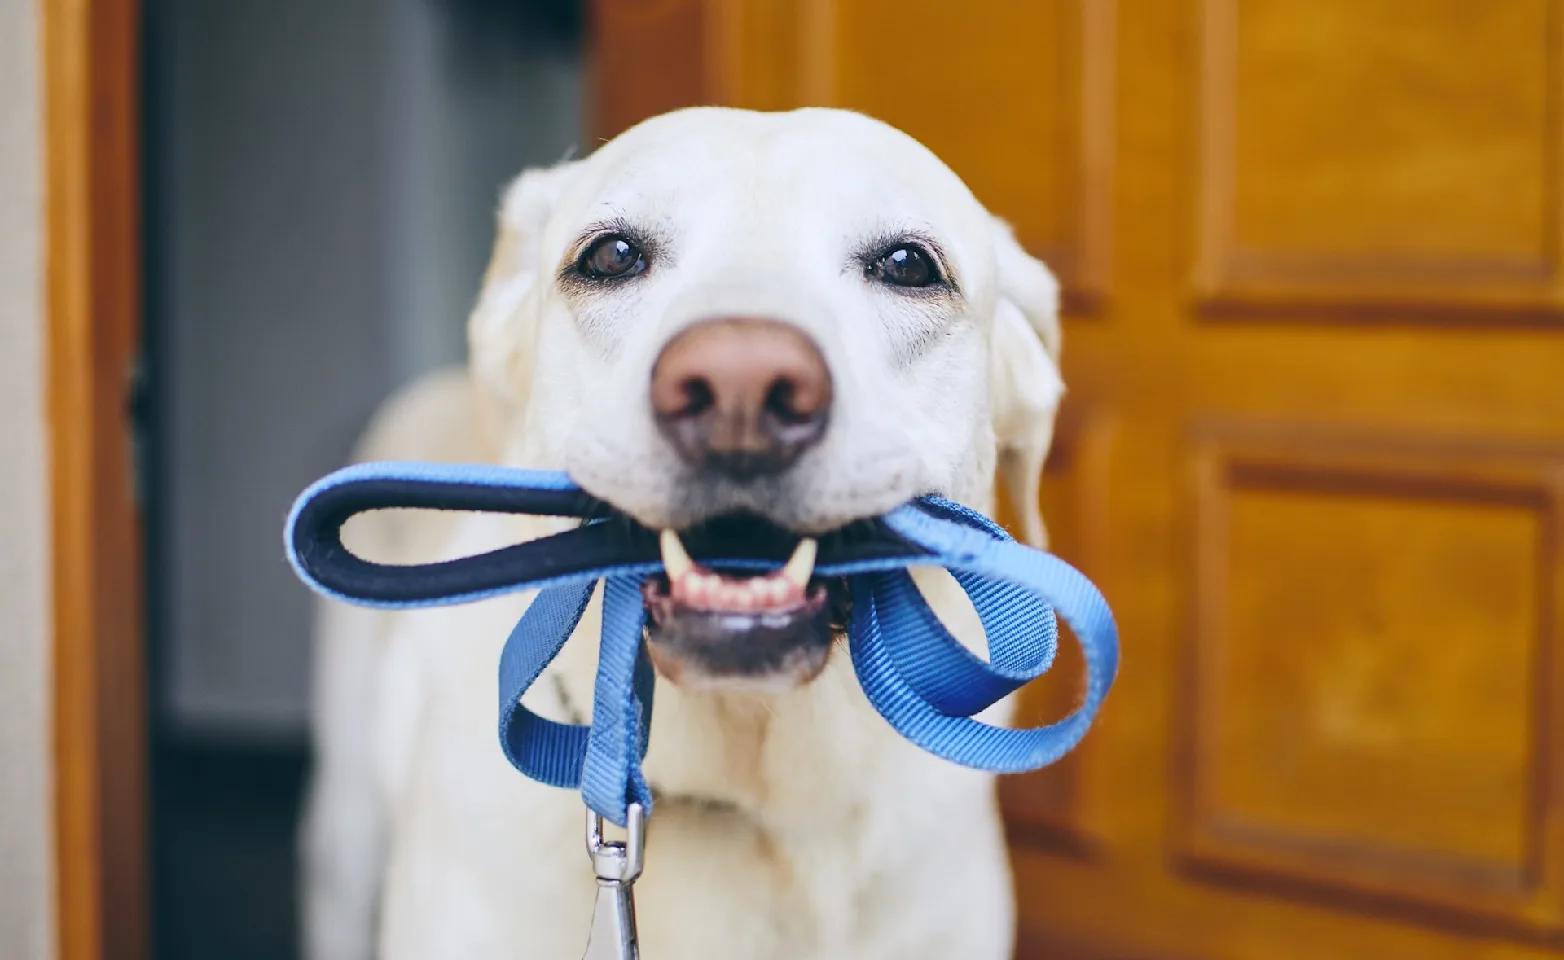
(922, 680)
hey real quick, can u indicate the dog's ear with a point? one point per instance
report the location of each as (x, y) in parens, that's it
(502, 330)
(1025, 381)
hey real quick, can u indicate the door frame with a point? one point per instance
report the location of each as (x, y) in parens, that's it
(92, 86)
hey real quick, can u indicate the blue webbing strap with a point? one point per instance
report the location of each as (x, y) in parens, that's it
(919, 678)
(967, 549)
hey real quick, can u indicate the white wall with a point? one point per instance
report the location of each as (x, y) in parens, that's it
(26, 884)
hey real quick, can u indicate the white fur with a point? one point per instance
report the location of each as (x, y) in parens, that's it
(793, 825)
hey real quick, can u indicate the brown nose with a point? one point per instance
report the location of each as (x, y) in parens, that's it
(743, 398)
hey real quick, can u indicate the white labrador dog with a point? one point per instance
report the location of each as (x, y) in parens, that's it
(803, 318)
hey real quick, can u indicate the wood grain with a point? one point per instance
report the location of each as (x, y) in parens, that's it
(647, 58)
(1336, 137)
(1328, 177)
(91, 84)
(1317, 738)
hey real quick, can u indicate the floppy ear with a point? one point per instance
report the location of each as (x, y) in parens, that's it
(502, 330)
(1025, 382)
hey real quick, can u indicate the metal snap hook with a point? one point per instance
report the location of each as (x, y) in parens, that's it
(617, 866)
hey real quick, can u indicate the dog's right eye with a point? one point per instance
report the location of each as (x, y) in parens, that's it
(611, 258)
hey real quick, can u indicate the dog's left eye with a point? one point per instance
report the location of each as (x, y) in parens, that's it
(906, 265)
(611, 258)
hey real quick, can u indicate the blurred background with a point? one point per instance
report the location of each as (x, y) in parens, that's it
(321, 180)
(1313, 450)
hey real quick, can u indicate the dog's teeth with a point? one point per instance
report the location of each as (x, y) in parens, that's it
(675, 559)
(778, 591)
(801, 565)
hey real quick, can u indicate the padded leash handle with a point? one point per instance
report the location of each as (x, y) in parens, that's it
(605, 540)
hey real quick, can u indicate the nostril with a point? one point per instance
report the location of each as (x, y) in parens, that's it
(698, 397)
(796, 400)
(780, 402)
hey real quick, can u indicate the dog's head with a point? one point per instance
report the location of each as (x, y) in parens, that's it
(732, 320)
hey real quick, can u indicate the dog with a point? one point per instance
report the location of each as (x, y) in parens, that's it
(797, 319)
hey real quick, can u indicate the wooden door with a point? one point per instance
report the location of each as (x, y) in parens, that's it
(1314, 442)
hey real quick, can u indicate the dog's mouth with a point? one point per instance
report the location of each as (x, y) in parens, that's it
(713, 629)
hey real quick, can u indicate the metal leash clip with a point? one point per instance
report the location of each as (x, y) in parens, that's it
(617, 866)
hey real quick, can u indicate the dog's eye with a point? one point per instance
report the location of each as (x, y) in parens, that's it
(611, 258)
(906, 265)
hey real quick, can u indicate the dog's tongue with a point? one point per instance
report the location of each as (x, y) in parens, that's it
(699, 588)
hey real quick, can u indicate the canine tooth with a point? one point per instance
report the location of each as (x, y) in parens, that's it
(801, 564)
(676, 560)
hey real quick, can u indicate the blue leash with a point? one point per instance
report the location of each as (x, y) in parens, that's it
(919, 678)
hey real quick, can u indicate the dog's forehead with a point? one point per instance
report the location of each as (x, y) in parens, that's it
(713, 164)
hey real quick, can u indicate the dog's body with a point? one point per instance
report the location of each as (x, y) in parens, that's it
(791, 821)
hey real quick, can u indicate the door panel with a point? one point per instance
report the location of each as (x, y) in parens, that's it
(1313, 448)
(1401, 150)
(1367, 702)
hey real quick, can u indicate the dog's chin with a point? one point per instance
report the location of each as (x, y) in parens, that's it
(761, 651)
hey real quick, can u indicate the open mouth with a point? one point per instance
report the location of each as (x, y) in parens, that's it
(714, 628)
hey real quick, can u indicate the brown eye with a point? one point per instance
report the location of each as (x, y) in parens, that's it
(907, 265)
(612, 258)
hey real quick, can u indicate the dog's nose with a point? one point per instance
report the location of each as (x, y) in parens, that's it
(741, 397)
